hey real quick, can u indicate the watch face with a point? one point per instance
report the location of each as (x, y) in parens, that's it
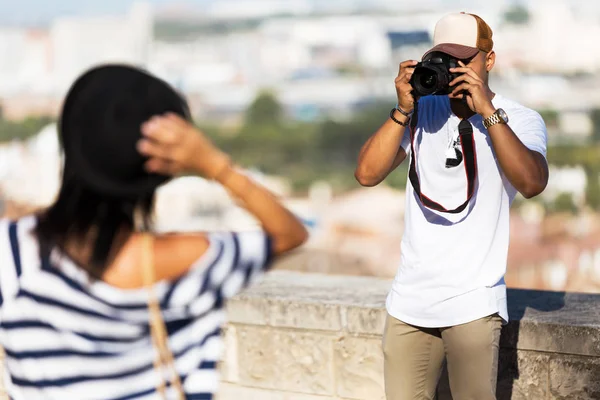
(503, 115)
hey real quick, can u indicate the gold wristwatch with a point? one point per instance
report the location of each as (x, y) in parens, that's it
(498, 117)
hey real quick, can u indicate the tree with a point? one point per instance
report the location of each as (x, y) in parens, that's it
(564, 203)
(550, 117)
(22, 130)
(341, 141)
(595, 116)
(264, 110)
(517, 15)
(592, 191)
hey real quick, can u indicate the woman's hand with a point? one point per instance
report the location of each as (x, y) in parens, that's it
(174, 146)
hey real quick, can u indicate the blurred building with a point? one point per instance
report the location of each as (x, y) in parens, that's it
(81, 42)
(349, 51)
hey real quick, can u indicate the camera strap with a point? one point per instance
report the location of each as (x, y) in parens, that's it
(467, 142)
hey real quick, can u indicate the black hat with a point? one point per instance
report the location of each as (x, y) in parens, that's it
(100, 125)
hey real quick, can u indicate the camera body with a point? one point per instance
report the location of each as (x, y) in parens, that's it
(432, 75)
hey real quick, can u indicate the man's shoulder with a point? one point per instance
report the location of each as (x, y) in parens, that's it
(515, 108)
(523, 120)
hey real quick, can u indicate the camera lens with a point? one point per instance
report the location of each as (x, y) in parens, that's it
(425, 80)
(432, 75)
(428, 80)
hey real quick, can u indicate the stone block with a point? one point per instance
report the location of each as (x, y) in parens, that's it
(258, 350)
(555, 322)
(311, 316)
(365, 320)
(574, 377)
(233, 392)
(359, 368)
(296, 361)
(284, 313)
(522, 375)
(566, 339)
(229, 363)
(248, 310)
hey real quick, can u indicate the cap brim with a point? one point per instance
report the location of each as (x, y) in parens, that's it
(455, 50)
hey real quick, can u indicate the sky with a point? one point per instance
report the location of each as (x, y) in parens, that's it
(19, 12)
(41, 11)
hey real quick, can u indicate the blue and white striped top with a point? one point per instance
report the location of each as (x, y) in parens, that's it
(66, 337)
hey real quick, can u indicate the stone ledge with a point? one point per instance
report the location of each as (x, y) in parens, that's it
(232, 392)
(555, 322)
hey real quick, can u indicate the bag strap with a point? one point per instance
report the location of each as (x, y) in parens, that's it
(164, 356)
(467, 143)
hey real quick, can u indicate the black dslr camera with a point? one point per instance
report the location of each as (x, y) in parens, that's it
(432, 75)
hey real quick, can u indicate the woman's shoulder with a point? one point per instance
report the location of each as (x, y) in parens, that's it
(176, 251)
(172, 256)
(18, 251)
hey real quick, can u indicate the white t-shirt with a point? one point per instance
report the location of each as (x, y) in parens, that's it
(453, 265)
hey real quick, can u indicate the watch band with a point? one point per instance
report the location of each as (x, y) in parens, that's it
(401, 111)
(405, 124)
(491, 120)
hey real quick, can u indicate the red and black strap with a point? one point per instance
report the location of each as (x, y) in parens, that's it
(467, 142)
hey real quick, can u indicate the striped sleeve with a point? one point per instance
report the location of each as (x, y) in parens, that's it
(10, 259)
(234, 261)
(250, 255)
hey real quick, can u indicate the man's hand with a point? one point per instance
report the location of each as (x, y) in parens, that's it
(403, 88)
(479, 97)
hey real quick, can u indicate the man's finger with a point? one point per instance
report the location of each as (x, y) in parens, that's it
(463, 78)
(461, 70)
(407, 64)
(460, 88)
(466, 71)
(405, 78)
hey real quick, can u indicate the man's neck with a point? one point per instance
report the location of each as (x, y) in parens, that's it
(461, 109)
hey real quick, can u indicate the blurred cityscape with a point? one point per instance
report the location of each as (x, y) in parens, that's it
(292, 89)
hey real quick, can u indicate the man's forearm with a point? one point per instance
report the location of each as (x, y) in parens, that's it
(525, 169)
(381, 153)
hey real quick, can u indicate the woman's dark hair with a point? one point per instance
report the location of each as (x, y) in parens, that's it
(105, 188)
(80, 213)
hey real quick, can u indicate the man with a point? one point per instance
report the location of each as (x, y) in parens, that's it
(449, 297)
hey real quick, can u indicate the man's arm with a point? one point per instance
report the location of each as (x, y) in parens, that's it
(525, 169)
(382, 153)
(385, 149)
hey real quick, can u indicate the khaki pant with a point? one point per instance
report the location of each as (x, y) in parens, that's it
(414, 358)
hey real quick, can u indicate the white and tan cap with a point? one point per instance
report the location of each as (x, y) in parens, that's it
(462, 35)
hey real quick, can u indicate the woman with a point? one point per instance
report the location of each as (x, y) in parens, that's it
(76, 280)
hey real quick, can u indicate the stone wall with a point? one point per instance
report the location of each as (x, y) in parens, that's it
(314, 337)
